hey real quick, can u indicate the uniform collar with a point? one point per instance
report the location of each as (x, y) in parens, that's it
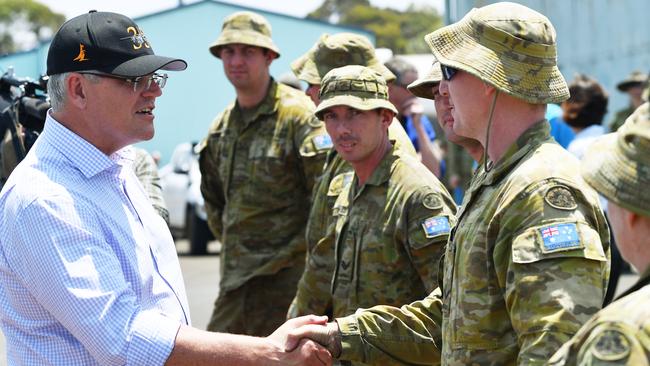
(381, 174)
(268, 106)
(643, 281)
(530, 140)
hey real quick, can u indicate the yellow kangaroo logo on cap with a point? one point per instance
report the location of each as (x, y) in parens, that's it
(82, 54)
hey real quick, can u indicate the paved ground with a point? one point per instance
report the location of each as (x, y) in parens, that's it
(201, 276)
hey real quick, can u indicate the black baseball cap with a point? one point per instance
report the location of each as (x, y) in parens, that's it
(106, 42)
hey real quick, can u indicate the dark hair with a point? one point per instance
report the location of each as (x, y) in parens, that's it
(587, 104)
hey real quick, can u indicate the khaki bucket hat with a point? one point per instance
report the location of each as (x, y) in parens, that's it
(337, 50)
(635, 78)
(508, 46)
(245, 27)
(355, 86)
(422, 86)
(618, 164)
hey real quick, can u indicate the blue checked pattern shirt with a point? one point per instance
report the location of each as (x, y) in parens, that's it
(88, 271)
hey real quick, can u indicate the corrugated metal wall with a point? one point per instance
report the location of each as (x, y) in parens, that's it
(605, 39)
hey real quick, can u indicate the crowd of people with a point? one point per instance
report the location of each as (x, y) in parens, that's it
(341, 241)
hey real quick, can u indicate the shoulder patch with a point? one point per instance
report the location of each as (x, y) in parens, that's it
(315, 122)
(339, 182)
(435, 226)
(560, 237)
(323, 141)
(611, 345)
(561, 197)
(431, 201)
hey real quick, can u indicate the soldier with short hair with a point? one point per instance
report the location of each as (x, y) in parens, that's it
(618, 167)
(313, 295)
(259, 163)
(393, 219)
(527, 263)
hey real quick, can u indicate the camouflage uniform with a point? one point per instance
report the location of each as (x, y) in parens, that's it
(617, 167)
(390, 235)
(257, 176)
(331, 51)
(147, 172)
(527, 263)
(620, 117)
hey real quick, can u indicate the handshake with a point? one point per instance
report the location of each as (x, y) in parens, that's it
(308, 340)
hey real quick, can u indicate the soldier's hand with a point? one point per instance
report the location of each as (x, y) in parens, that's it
(279, 337)
(307, 353)
(327, 335)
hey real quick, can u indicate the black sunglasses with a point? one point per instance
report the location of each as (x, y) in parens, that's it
(448, 72)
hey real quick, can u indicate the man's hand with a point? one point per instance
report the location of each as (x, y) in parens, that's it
(305, 351)
(327, 335)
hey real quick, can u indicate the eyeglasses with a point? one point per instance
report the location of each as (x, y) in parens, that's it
(448, 72)
(138, 82)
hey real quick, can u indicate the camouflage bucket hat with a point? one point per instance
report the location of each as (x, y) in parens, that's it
(618, 164)
(355, 86)
(245, 27)
(635, 78)
(508, 46)
(338, 50)
(422, 86)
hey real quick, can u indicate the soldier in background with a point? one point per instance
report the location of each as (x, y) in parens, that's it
(461, 162)
(633, 86)
(258, 165)
(331, 51)
(527, 263)
(411, 115)
(617, 166)
(393, 219)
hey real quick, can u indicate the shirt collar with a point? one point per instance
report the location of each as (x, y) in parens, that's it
(81, 153)
(268, 105)
(528, 141)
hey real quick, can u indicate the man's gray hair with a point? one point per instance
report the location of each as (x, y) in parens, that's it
(56, 88)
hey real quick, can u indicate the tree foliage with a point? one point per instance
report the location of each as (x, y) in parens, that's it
(401, 31)
(26, 16)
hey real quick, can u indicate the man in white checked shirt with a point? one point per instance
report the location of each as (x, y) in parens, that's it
(88, 271)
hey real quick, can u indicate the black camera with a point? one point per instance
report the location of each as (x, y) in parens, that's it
(23, 108)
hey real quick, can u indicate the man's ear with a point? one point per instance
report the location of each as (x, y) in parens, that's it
(489, 89)
(76, 86)
(386, 116)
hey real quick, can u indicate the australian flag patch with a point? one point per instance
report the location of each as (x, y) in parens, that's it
(434, 226)
(323, 141)
(560, 237)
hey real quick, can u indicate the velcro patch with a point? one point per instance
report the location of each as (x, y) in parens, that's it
(560, 237)
(435, 226)
(323, 141)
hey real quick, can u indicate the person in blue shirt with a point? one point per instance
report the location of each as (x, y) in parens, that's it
(560, 130)
(410, 114)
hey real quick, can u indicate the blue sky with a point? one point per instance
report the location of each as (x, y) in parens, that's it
(134, 8)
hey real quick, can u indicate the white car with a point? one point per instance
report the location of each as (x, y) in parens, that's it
(181, 188)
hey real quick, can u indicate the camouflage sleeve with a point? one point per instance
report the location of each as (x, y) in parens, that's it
(429, 219)
(147, 173)
(386, 335)
(612, 343)
(552, 265)
(313, 295)
(211, 188)
(313, 143)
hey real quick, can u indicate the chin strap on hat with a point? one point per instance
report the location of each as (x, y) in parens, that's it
(487, 166)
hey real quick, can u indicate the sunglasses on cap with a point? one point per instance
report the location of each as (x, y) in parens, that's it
(448, 72)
